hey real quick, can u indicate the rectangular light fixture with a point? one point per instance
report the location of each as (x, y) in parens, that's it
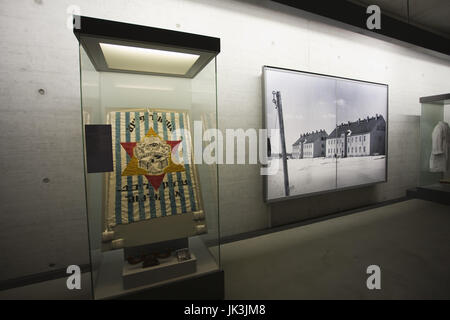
(128, 48)
(120, 57)
(126, 86)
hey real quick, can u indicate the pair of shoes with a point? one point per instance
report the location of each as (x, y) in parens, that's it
(149, 260)
(135, 260)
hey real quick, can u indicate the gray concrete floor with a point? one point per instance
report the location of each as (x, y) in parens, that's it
(409, 240)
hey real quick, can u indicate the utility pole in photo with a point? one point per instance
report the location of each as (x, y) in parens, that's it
(278, 105)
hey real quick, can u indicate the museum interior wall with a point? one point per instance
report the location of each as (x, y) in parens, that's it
(43, 200)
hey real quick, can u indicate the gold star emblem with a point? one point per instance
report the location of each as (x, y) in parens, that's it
(152, 158)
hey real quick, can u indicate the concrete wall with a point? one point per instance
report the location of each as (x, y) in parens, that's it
(43, 218)
(44, 224)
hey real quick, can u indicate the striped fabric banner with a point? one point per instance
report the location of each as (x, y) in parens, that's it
(153, 171)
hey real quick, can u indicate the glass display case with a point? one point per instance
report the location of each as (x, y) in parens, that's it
(434, 168)
(434, 143)
(152, 203)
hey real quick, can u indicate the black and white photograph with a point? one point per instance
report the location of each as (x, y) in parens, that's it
(325, 133)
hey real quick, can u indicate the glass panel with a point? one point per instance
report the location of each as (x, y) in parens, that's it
(361, 129)
(90, 98)
(204, 97)
(156, 201)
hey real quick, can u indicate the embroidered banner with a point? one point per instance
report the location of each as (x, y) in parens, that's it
(153, 171)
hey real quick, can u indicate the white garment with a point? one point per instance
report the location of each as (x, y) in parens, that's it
(440, 139)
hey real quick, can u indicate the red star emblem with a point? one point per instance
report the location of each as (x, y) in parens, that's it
(133, 168)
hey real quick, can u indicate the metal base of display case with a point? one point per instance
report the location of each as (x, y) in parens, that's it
(134, 275)
(205, 287)
(438, 192)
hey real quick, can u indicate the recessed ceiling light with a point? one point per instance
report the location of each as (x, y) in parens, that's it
(121, 57)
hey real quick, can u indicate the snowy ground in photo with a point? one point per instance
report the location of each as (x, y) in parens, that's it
(323, 174)
(360, 170)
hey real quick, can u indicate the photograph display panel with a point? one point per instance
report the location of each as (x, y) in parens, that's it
(324, 133)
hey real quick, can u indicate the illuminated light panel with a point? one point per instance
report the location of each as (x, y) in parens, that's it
(125, 86)
(147, 60)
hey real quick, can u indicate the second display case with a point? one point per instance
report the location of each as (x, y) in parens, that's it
(434, 171)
